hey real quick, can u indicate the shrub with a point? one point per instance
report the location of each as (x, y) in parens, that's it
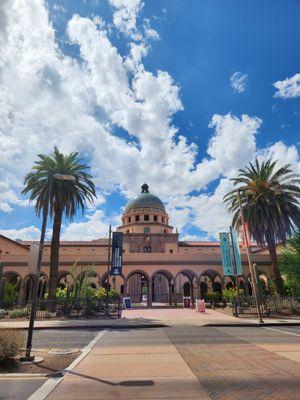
(18, 313)
(212, 297)
(11, 341)
(231, 293)
(10, 292)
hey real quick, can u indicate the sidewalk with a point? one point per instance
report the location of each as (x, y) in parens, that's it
(139, 364)
(143, 318)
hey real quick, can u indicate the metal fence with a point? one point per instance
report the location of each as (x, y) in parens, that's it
(270, 306)
(61, 308)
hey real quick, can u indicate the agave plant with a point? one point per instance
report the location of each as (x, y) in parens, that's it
(270, 198)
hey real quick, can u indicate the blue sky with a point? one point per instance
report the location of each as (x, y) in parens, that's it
(193, 101)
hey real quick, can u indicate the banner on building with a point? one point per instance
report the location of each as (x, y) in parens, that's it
(226, 254)
(237, 253)
(117, 252)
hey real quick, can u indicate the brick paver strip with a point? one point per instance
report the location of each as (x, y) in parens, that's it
(231, 369)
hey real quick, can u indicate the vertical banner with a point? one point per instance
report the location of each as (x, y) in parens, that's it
(237, 253)
(226, 254)
(117, 252)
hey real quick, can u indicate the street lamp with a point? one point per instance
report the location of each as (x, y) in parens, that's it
(249, 257)
(61, 177)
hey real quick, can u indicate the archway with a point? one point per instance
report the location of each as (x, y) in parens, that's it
(65, 279)
(12, 293)
(117, 282)
(27, 288)
(185, 284)
(43, 286)
(138, 288)
(210, 281)
(92, 278)
(162, 287)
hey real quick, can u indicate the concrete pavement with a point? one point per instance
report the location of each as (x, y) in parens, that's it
(132, 364)
(185, 360)
(149, 317)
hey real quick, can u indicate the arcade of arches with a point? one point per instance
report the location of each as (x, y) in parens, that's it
(158, 267)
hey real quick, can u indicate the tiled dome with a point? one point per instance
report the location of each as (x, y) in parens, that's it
(145, 200)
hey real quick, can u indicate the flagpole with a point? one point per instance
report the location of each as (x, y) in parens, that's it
(249, 257)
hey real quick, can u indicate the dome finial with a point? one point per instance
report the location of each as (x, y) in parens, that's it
(145, 188)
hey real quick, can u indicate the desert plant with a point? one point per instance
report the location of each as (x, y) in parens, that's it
(11, 341)
(19, 313)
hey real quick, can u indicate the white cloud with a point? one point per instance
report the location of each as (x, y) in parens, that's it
(48, 98)
(95, 227)
(238, 81)
(28, 233)
(125, 16)
(282, 153)
(288, 88)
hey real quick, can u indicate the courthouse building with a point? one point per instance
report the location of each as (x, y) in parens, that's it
(158, 267)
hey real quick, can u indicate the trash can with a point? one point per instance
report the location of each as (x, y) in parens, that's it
(186, 302)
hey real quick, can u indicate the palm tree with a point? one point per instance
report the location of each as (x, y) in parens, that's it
(270, 199)
(66, 196)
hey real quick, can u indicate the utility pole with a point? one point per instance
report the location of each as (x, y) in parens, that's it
(249, 258)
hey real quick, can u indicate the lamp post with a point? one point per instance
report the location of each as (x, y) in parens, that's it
(62, 177)
(1, 280)
(253, 281)
(106, 308)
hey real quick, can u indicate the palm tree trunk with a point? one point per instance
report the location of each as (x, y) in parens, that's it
(54, 258)
(274, 262)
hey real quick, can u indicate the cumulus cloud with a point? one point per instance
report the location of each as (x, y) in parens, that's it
(238, 81)
(95, 227)
(288, 88)
(50, 98)
(125, 16)
(28, 233)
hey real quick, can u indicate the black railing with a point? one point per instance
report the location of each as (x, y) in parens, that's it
(270, 306)
(71, 308)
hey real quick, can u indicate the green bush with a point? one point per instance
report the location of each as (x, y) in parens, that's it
(18, 313)
(212, 297)
(10, 292)
(11, 342)
(230, 294)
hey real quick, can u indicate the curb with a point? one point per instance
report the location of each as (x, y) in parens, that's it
(23, 375)
(99, 327)
(44, 391)
(254, 324)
